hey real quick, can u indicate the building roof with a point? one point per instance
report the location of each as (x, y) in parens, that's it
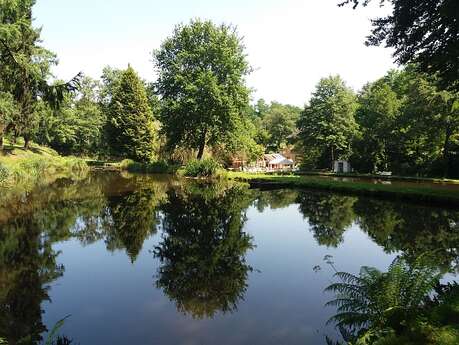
(277, 158)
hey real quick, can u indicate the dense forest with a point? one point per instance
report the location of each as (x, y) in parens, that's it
(199, 104)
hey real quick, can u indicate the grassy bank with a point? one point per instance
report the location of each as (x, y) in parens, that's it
(26, 168)
(416, 193)
(159, 167)
(380, 177)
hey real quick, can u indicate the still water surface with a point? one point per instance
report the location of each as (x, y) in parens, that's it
(153, 260)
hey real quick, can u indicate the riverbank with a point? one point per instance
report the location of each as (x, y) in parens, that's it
(380, 177)
(418, 193)
(20, 168)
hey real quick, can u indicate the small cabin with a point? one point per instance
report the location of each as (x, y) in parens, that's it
(268, 162)
(276, 161)
(342, 167)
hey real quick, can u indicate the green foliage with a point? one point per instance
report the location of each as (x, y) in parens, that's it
(408, 126)
(202, 69)
(131, 129)
(425, 33)
(29, 168)
(373, 302)
(25, 67)
(379, 108)
(328, 121)
(8, 111)
(276, 124)
(76, 127)
(158, 167)
(202, 168)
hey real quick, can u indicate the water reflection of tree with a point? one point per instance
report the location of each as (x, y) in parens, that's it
(132, 218)
(329, 215)
(411, 229)
(275, 199)
(27, 266)
(202, 252)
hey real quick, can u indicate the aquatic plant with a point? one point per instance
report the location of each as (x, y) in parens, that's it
(379, 299)
(405, 305)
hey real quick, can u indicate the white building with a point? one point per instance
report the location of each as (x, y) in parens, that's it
(276, 161)
(341, 167)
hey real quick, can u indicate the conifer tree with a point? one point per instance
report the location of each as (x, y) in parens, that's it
(130, 126)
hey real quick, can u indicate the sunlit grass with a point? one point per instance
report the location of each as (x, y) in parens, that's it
(415, 192)
(27, 167)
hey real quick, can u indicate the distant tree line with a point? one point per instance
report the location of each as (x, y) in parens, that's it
(403, 122)
(406, 122)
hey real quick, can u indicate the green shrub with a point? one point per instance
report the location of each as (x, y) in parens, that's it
(202, 168)
(126, 163)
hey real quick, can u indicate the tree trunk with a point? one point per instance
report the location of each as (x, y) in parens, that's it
(332, 157)
(202, 145)
(26, 142)
(446, 156)
(1, 141)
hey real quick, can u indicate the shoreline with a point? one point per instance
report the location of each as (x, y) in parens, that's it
(420, 194)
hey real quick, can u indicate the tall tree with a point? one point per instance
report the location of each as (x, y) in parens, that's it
(131, 129)
(202, 70)
(376, 116)
(25, 66)
(77, 126)
(8, 111)
(425, 32)
(328, 121)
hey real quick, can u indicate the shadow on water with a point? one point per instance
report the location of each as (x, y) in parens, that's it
(203, 240)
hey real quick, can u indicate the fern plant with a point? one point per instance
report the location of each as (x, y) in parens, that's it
(379, 301)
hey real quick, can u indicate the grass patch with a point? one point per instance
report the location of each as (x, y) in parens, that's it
(29, 167)
(419, 193)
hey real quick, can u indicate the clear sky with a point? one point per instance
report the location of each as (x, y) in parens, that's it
(290, 43)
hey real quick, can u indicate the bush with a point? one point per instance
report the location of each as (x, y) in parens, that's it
(202, 168)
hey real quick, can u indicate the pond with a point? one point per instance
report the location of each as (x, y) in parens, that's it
(154, 260)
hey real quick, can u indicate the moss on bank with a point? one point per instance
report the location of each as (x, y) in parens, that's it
(416, 193)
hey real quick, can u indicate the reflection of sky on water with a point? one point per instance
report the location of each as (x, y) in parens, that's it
(115, 302)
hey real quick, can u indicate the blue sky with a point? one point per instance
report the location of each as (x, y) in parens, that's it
(290, 43)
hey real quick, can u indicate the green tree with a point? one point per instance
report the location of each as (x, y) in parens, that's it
(426, 131)
(425, 32)
(8, 111)
(202, 70)
(379, 107)
(328, 121)
(25, 66)
(279, 121)
(131, 129)
(76, 127)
